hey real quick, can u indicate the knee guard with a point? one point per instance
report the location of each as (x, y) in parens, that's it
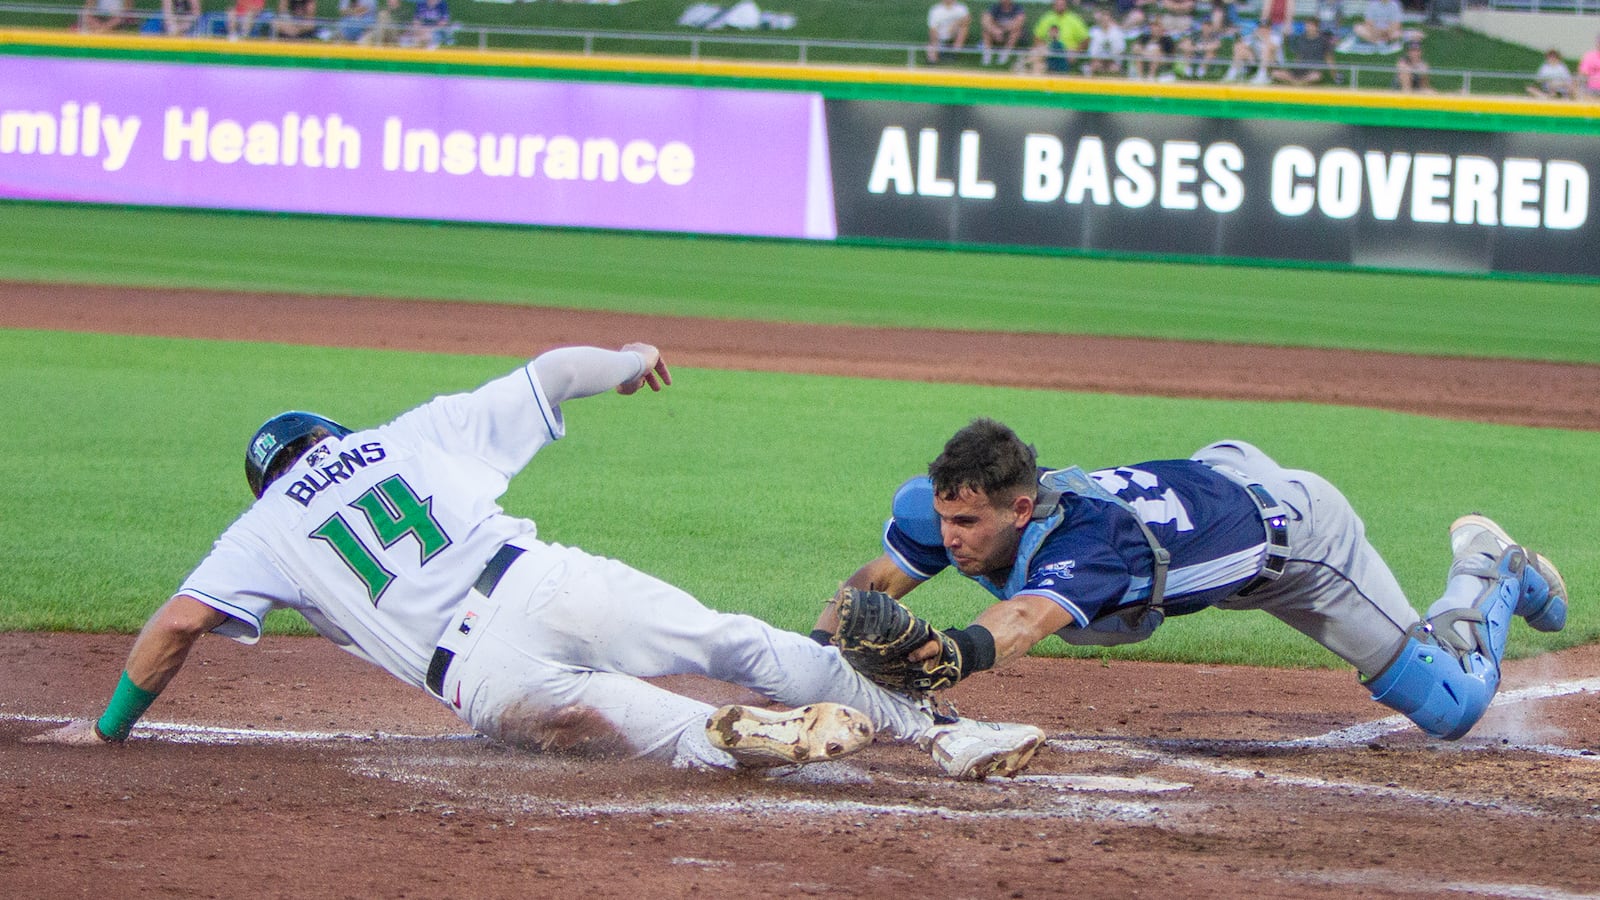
(1443, 694)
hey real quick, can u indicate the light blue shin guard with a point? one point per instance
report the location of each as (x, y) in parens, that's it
(1442, 680)
(1445, 695)
(1544, 611)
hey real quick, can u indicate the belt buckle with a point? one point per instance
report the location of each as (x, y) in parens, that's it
(1278, 531)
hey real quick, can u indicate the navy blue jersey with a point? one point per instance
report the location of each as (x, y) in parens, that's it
(1091, 557)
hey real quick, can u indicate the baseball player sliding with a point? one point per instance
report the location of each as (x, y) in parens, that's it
(1103, 558)
(392, 544)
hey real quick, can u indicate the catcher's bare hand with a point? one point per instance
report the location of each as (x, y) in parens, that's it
(655, 374)
(77, 733)
(931, 650)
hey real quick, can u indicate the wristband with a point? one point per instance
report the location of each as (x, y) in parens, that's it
(825, 638)
(976, 644)
(128, 703)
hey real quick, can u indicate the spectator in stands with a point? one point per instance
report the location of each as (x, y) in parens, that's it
(1225, 16)
(242, 18)
(1309, 56)
(429, 25)
(1201, 50)
(179, 18)
(1107, 44)
(1278, 14)
(1068, 28)
(1177, 17)
(1177, 20)
(1050, 54)
(1411, 72)
(296, 19)
(102, 16)
(1330, 17)
(1152, 51)
(1003, 24)
(1554, 79)
(1589, 71)
(1382, 24)
(948, 22)
(358, 19)
(1262, 49)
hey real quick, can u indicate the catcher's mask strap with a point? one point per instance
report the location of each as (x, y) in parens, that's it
(1046, 504)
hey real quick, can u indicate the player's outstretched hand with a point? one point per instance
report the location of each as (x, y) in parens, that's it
(77, 733)
(655, 370)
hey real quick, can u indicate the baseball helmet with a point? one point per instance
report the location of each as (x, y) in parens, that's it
(276, 437)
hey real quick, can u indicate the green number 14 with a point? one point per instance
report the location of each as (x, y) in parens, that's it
(394, 511)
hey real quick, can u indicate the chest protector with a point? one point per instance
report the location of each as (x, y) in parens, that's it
(1048, 515)
(913, 513)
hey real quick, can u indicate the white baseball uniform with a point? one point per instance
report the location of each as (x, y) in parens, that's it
(381, 540)
(943, 20)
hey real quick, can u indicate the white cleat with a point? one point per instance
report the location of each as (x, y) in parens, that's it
(762, 738)
(972, 750)
(1476, 533)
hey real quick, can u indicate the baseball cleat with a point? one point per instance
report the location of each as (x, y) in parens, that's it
(761, 738)
(1480, 534)
(973, 750)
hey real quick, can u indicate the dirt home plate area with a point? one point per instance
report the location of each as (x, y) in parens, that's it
(291, 769)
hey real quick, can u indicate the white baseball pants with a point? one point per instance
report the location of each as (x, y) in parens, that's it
(554, 657)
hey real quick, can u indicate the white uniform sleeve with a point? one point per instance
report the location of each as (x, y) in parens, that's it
(505, 422)
(241, 585)
(502, 424)
(568, 373)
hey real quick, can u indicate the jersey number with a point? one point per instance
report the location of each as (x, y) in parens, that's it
(394, 511)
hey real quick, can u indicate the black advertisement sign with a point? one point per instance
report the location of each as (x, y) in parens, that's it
(1410, 198)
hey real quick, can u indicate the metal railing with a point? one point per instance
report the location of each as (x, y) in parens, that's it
(802, 51)
(1559, 6)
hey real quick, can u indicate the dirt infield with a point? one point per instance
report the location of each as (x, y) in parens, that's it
(292, 769)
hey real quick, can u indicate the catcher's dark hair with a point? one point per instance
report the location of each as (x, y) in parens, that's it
(985, 456)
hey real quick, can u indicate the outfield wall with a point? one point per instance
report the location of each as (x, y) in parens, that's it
(1446, 184)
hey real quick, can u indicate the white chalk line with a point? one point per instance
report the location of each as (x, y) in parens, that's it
(1424, 885)
(1169, 753)
(1164, 752)
(1353, 736)
(1248, 773)
(1368, 731)
(754, 804)
(188, 733)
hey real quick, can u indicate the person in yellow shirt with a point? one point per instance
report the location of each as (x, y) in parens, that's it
(1071, 31)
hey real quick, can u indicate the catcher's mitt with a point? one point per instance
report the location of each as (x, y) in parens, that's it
(876, 635)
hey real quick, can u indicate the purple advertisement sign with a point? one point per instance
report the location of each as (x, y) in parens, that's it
(415, 146)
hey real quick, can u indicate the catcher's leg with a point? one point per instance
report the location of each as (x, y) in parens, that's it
(1448, 671)
(1336, 588)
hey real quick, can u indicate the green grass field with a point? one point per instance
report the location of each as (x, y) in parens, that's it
(107, 512)
(793, 281)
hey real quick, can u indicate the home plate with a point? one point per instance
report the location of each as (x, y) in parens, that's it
(1105, 783)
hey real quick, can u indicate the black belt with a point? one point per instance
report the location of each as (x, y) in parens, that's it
(1277, 527)
(487, 581)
